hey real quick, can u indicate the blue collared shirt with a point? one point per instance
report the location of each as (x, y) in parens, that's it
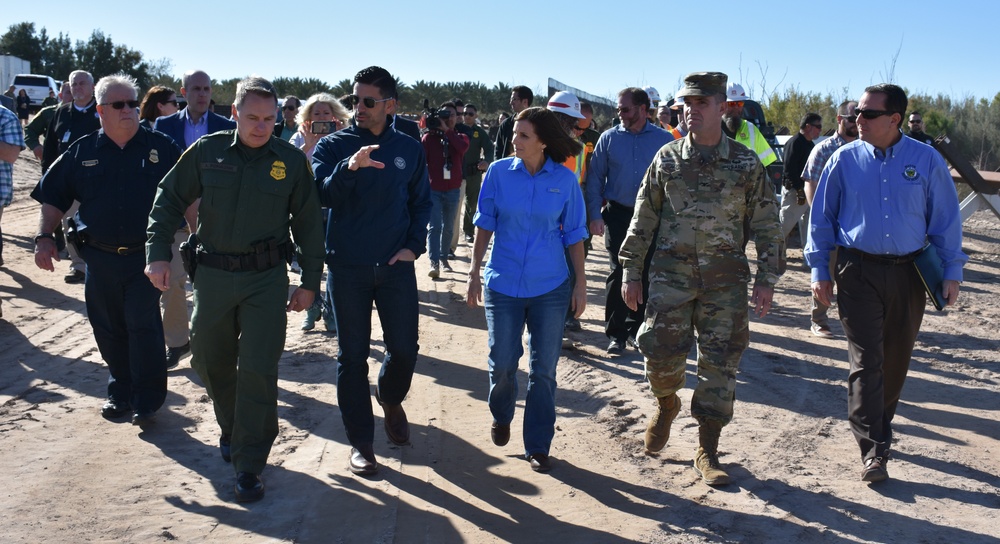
(194, 130)
(533, 220)
(889, 203)
(619, 163)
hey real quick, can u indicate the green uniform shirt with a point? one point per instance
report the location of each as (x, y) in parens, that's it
(247, 196)
(479, 142)
(36, 128)
(699, 208)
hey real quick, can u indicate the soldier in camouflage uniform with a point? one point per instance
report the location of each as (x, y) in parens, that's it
(693, 200)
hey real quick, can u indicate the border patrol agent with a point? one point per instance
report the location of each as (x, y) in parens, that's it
(693, 202)
(253, 187)
(113, 173)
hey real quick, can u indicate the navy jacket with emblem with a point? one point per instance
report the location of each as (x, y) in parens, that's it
(373, 212)
(115, 186)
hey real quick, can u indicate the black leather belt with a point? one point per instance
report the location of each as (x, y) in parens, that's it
(266, 256)
(117, 250)
(889, 260)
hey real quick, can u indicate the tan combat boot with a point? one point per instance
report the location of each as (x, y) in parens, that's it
(658, 431)
(706, 460)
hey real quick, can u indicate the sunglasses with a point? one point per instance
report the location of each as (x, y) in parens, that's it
(468, 113)
(850, 118)
(132, 104)
(368, 101)
(872, 114)
(626, 111)
(916, 121)
(174, 102)
(817, 127)
(290, 108)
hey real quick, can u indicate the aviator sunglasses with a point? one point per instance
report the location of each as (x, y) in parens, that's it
(368, 101)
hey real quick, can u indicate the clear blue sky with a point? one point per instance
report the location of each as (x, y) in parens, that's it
(597, 46)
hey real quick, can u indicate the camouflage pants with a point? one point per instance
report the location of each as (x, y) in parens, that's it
(720, 319)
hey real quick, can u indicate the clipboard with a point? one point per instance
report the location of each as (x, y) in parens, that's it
(931, 273)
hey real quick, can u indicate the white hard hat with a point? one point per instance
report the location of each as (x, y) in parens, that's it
(565, 102)
(678, 102)
(653, 95)
(735, 93)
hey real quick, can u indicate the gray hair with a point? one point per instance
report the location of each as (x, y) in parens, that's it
(116, 80)
(338, 109)
(84, 72)
(254, 85)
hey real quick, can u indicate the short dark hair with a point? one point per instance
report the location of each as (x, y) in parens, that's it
(895, 99)
(380, 78)
(449, 104)
(585, 107)
(473, 106)
(295, 98)
(810, 118)
(523, 93)
(458, 102)
(254, 85)
(917, 112)
(638, 96)
(346, 102)
(844, 108)
(559, 145)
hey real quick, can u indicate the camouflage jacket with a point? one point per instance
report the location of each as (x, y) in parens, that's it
(696, 211)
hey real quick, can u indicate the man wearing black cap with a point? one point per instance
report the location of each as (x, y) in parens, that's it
(692, 205)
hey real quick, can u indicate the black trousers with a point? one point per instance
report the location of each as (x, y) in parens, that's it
(619, 321)
(881, 308)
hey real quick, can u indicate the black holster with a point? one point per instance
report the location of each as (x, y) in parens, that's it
(189, 255)
(73, 235)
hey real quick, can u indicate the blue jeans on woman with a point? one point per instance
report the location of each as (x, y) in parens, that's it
(444, 206)
(545, 317)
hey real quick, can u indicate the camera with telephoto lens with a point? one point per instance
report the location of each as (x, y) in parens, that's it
(433, 118)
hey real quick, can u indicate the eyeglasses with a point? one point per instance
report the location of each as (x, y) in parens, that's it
(873, 114)
(290, 108)
(368, 101)
(120, 104)
(174, 102)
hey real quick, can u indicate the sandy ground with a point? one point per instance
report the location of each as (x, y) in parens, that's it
(69, 475)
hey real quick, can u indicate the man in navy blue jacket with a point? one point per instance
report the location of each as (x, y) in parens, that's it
(194, 121)
(373, 179)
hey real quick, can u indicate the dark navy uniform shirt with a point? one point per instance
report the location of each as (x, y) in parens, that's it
(115, 186)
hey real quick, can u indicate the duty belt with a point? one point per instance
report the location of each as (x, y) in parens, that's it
(266, 255)
(890, 260)
(118, 250)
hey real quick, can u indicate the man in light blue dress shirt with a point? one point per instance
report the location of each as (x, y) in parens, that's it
(882, 198)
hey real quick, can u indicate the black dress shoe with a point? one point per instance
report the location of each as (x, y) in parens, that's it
(875, 470)
(174, 355)
(616, 346)
(75, 277)
(500, 434)
(540, 462)
(397, 428)
(362, 460)
(226, 448)
(143, 418)
(249, 487)
(114, 409)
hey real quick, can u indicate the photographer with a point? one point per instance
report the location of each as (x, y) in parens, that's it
(330, 113)
(444, 148)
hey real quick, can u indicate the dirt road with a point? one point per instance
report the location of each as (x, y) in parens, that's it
(71, 476)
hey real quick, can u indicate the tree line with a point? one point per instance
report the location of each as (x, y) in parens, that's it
(972, 123)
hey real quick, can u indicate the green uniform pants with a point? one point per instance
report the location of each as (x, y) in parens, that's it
(237, 336)
(721, 319)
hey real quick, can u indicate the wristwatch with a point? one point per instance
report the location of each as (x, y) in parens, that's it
(41, 235)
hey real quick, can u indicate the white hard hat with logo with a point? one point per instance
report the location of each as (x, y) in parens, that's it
(735, 93)
(565, 102)
(654, 96)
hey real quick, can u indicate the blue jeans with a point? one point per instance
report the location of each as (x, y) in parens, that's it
(545, 316)
(393, 289)
(444, 206)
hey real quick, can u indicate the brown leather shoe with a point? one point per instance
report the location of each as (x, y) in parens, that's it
(875, 470)
(362, 460)
(397, 428)
(500, 434)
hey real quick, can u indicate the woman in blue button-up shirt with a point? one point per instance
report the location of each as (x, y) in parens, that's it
(532, 208)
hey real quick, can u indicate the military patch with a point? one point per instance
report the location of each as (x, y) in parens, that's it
(89, 163)
(475, 133)
(154, 156)
(278, 170)
(910, 172)
(400, 163)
